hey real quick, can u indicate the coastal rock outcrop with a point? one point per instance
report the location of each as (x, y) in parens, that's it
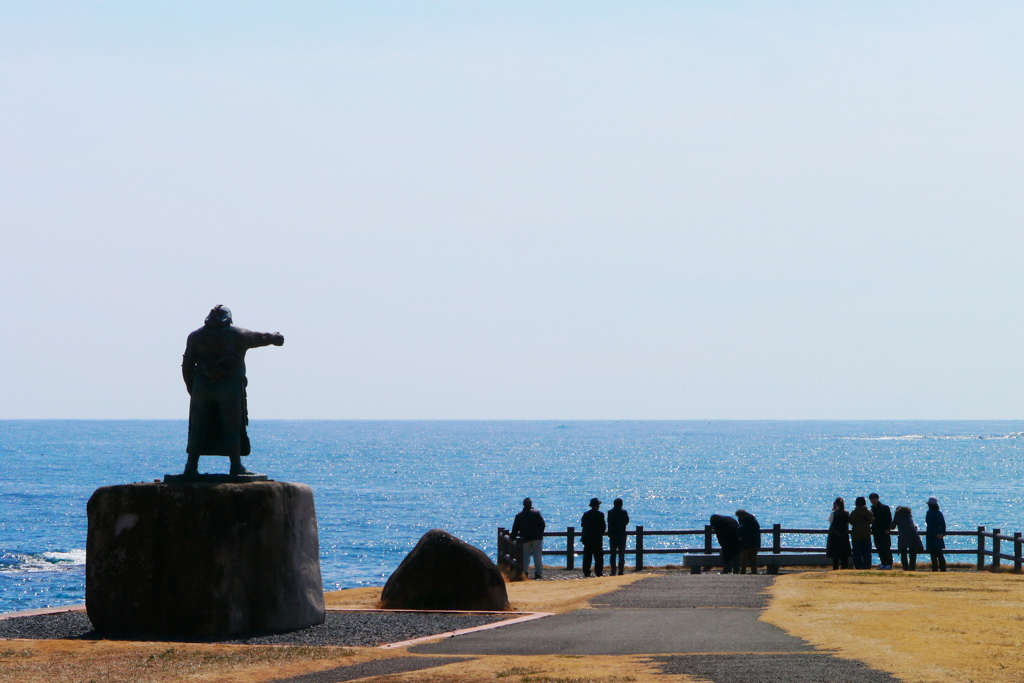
(444, 572)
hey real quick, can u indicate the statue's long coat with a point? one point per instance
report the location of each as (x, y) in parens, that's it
(214, 371)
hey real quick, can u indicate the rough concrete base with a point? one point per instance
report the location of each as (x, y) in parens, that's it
(203, 561)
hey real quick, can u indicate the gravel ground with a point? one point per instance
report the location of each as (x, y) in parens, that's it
(361, 629)
(350, 629)
(60, 625)
(759, 668)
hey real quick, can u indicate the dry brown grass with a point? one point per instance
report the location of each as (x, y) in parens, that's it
(69, 661)
(541, 669)
(363, 598)
(919, 626)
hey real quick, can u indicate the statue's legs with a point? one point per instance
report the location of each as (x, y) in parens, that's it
(216, 423)
(237, 467)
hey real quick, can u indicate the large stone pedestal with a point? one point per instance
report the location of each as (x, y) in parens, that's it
(202, 561)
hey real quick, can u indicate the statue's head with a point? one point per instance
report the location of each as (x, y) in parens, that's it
(220, 316)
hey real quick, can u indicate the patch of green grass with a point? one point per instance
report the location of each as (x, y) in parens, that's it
(518, 671)
(966, 589)
(15, 653)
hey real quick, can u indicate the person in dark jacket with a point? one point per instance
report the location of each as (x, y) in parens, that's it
(530, 525)
(749, 532)
(838, 545)
(880, 531)
(726, 530)
(618, 519)
(860, 533)
(907, 539)
(935, 534)
(592, 536)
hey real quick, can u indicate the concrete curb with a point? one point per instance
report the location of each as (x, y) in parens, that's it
(526, 616)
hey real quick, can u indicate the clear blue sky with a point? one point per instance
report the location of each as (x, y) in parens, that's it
(517, 210)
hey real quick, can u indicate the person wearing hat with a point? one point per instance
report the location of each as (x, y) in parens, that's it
(530, 525)
(592, 536)
(935, 534)
(213, 368)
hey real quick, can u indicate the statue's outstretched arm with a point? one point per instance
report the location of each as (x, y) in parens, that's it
(254, 339)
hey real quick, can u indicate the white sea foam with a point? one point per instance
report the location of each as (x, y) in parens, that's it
(935, 437)
(43, 562)
(74, 556)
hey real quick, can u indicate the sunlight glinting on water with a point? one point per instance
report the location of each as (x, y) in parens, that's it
(380, 485)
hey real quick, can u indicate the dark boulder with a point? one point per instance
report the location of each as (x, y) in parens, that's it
(444, 572)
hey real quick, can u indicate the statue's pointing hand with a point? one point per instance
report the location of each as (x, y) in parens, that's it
(277, 339)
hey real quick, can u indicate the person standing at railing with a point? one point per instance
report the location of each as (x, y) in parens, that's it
(729, 541)
(749, 532)
(907, 540)
(618, 520)
(530, 525)
(860, 533)
(838, 544)
(935, 534)
(592, 535)
(880, 531)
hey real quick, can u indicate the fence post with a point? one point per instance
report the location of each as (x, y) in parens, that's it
(570, 547)
(995, 548)
(707, 539)
(981, 548)
(501, 543)
(1016, 551)
(776, 538)
(639, 547)
(520, 560)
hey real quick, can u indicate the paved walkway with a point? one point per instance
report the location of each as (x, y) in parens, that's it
(701, 625)
(379, 667)
(660, 615)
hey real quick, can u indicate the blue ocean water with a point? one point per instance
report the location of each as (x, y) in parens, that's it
(380, 485)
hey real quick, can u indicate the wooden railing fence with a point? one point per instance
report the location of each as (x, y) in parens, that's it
(510, 553)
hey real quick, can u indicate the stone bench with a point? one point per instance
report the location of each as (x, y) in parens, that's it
(697, 563)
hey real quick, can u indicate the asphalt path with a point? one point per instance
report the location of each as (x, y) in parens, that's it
(702, 625)
(379, 667)
(816, 667)
(692, 590)
(673, 613)
(626, 632)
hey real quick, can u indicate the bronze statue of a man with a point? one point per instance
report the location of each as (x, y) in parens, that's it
(214, 371)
